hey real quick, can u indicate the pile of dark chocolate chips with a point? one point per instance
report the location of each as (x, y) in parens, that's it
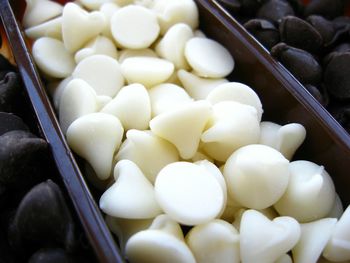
(36, 223)
(312, 41)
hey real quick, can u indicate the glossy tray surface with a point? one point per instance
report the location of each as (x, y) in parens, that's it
(284, 101)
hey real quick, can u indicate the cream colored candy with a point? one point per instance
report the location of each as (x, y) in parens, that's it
(93, 4)
(166, 97)
(208, 58)
(188, 193)
(285, 139)
(215, 241)
(102, 72)
(338, 247)
(256, 176)
(102, 101)
(56, 89)
(284, 259)
(51, 28)
(172, 45)
(310, 194)
(172, 12)
(99, 45)
(146, 70)
(231, 211)
(183, 127)
(39, 11)
(79, 26)
(131, 196)
(132, 106)
(129, 53)
(313, 239)
(162, 242)
(108, 9)
(198, 88)
(269, 212)
(199, 33)
(52, 58)
(265, 241)
(71, 108)
(95, 137)
(200, 156)
(125, 228)
(174, 79)
(134, 27)
(232, 126)
(238, 92)
(337, 208)
(148, 151)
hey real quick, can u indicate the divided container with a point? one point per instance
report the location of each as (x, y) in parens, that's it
(284, 101)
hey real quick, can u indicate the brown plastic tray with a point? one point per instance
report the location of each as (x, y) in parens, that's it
(284, 101)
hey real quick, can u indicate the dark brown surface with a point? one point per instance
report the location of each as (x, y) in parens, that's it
(283, 98)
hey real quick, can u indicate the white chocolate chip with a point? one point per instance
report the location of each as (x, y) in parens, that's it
(162, 242)
(264, 241)
(172, 45)
(79, 26)
(39, 11)
(102, 72)
(52, 58)
(70, 109)
(256, 176)
(215, 241)
(310, 194)
(198, 88)
(98, 46)
(208, 58)
(189, 193)
(131, 196)
(238, 92)
(132, 106)
(137, 148)
(285, 139)
(148, 71)
(166, 97)
(94, 4)
(313, 239)
(129, 53)
(51, 28)
(96, 137)
(134, 27)
(183, 127)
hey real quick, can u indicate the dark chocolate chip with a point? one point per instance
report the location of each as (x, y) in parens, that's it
(299, 62)
(264, 31)
(11, 122)
(244, 7)
(297, 6)
(275, 10)
(316, 93)
(22, 155)
(343, 47)
(9, 91)
(43, 219)
(50, 255)
(298, 33)
(324, 27)
(337, 75)
(326, 8)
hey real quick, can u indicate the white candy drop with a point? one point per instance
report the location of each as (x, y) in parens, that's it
(183, 126)
(132, 106)
(131, 196)
(215, 241)
(188, 193)
(103, 74)
(310, 193)
(162, 242)
(198, 88)
(256, 176)
(208, 58)
(265, 241)
(129, 53)
(51, 28)
(134, 27)
(39, 11)
(52, 58)
(95, 137)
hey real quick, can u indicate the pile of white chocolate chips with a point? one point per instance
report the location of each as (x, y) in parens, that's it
(195, 176)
